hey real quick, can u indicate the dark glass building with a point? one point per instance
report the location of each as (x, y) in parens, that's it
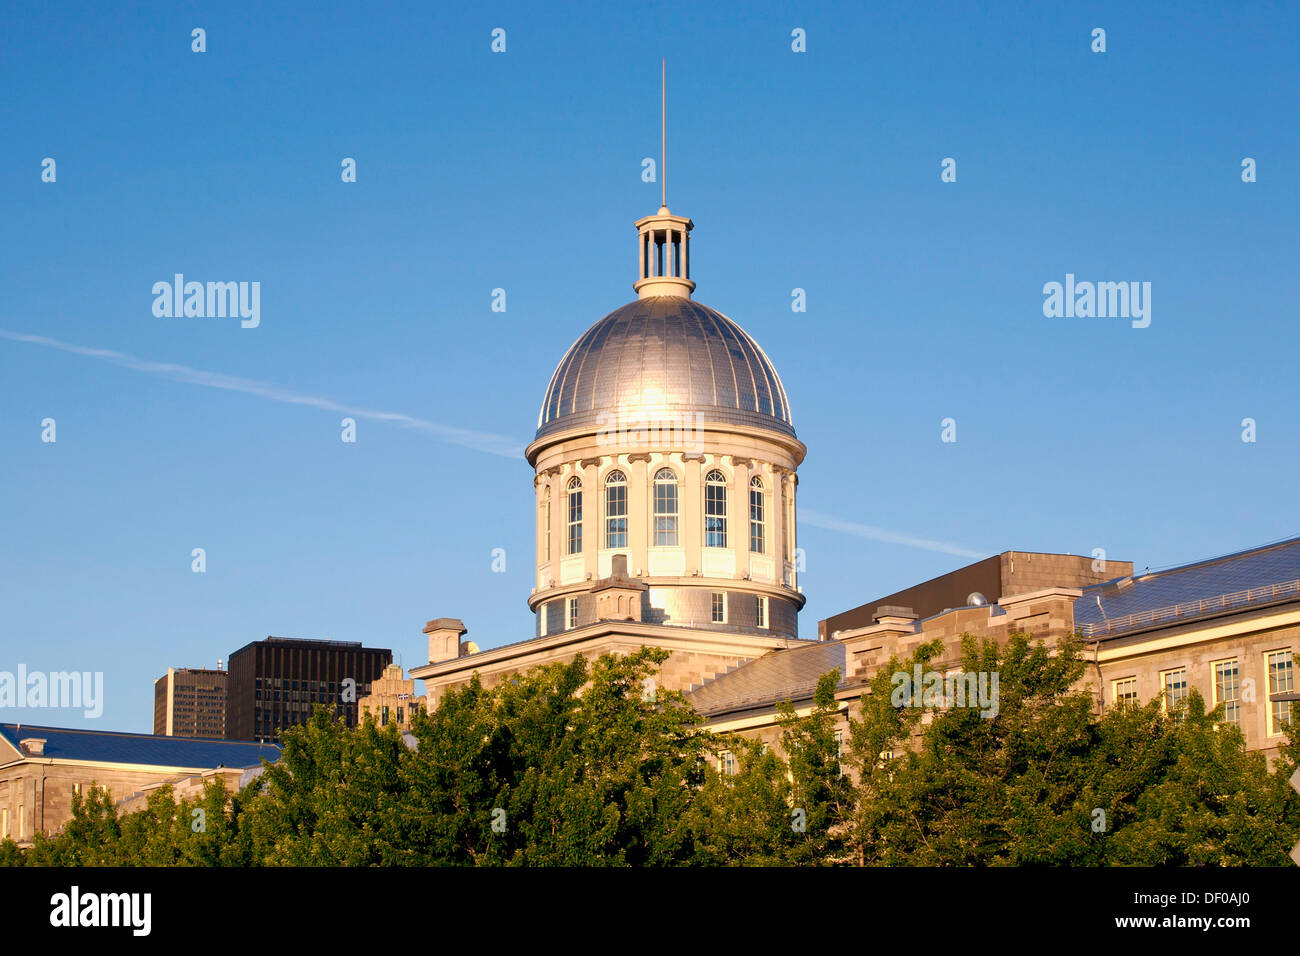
(276, 683)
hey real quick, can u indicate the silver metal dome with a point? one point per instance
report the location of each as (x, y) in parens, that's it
(665, 355)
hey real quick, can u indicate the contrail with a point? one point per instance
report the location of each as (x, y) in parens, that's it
(819, 520)
(479, 441)
(487, 442)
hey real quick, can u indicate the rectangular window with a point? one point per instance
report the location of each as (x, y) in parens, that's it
(665, 511)
(541, 620)
(760, 616)
(1281, 680)
(727, 762)
(575, 520)
(1126, 690)
(4, 822)
(573, 612)
(1174, 685)
(616, 514)
(546, 526)
(1227, 690)
(715, 512)
(719, 608)
(756, 542)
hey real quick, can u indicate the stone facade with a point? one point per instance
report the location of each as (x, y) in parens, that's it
(42, 767)
(391, 699)
(988, 580)
(694, 658)
(1261, 642)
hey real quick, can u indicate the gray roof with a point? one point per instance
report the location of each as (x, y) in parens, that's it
(788, 674)
(1260, 576)
(667, 358)
(108, 746)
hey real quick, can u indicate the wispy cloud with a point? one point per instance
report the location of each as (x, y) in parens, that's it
(818, 520)
(492, 444)
(467, 438)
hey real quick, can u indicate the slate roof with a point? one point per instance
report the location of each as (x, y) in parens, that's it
(1250, 578)
(107, 746)
(787, 674)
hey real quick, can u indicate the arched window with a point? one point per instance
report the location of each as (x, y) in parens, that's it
(756, 537)
(575, 516)
(546, 525)
(616, 510)
(715, 510)
(665, 511)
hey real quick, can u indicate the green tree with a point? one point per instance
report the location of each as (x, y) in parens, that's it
(821, 793)
(741, 818)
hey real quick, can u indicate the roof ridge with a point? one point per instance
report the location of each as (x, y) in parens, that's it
(1244, 552)
(23, 728)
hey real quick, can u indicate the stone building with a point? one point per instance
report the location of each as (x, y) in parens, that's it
(42, 767)
(665, 474)
(1228, 627)
(391, 698)
(664, 465)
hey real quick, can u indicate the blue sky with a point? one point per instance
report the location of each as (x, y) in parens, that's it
(522, 170)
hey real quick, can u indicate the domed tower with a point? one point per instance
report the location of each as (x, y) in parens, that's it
(665, 461)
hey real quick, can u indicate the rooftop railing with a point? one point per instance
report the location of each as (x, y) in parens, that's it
(1193, 609)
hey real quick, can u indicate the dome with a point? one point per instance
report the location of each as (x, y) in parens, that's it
(665, 356)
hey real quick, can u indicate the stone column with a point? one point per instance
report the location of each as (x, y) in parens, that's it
(790, 531)
(777, 523)
(640, 506)
(737, 514)
(592, 509)
(557, 520)
(540, 554)
(691, 511)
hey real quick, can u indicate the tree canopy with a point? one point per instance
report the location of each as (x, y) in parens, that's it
(584, 764)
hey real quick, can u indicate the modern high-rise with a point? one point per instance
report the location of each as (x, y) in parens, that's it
(276, 683)
(190, 702)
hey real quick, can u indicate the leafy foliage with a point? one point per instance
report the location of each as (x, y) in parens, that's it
(577, 764)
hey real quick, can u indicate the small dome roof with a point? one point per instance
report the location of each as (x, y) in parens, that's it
(665, 356)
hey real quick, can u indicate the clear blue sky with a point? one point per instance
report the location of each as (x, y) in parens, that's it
(522, 170)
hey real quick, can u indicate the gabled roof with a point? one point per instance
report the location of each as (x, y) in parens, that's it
(107, 746)
(787, 674)
(1256, 577)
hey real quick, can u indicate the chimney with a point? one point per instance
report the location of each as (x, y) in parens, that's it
(618, 566)
(444, 639)
(33, 746)
(867, 647)
(618, 597)
(893, 614)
